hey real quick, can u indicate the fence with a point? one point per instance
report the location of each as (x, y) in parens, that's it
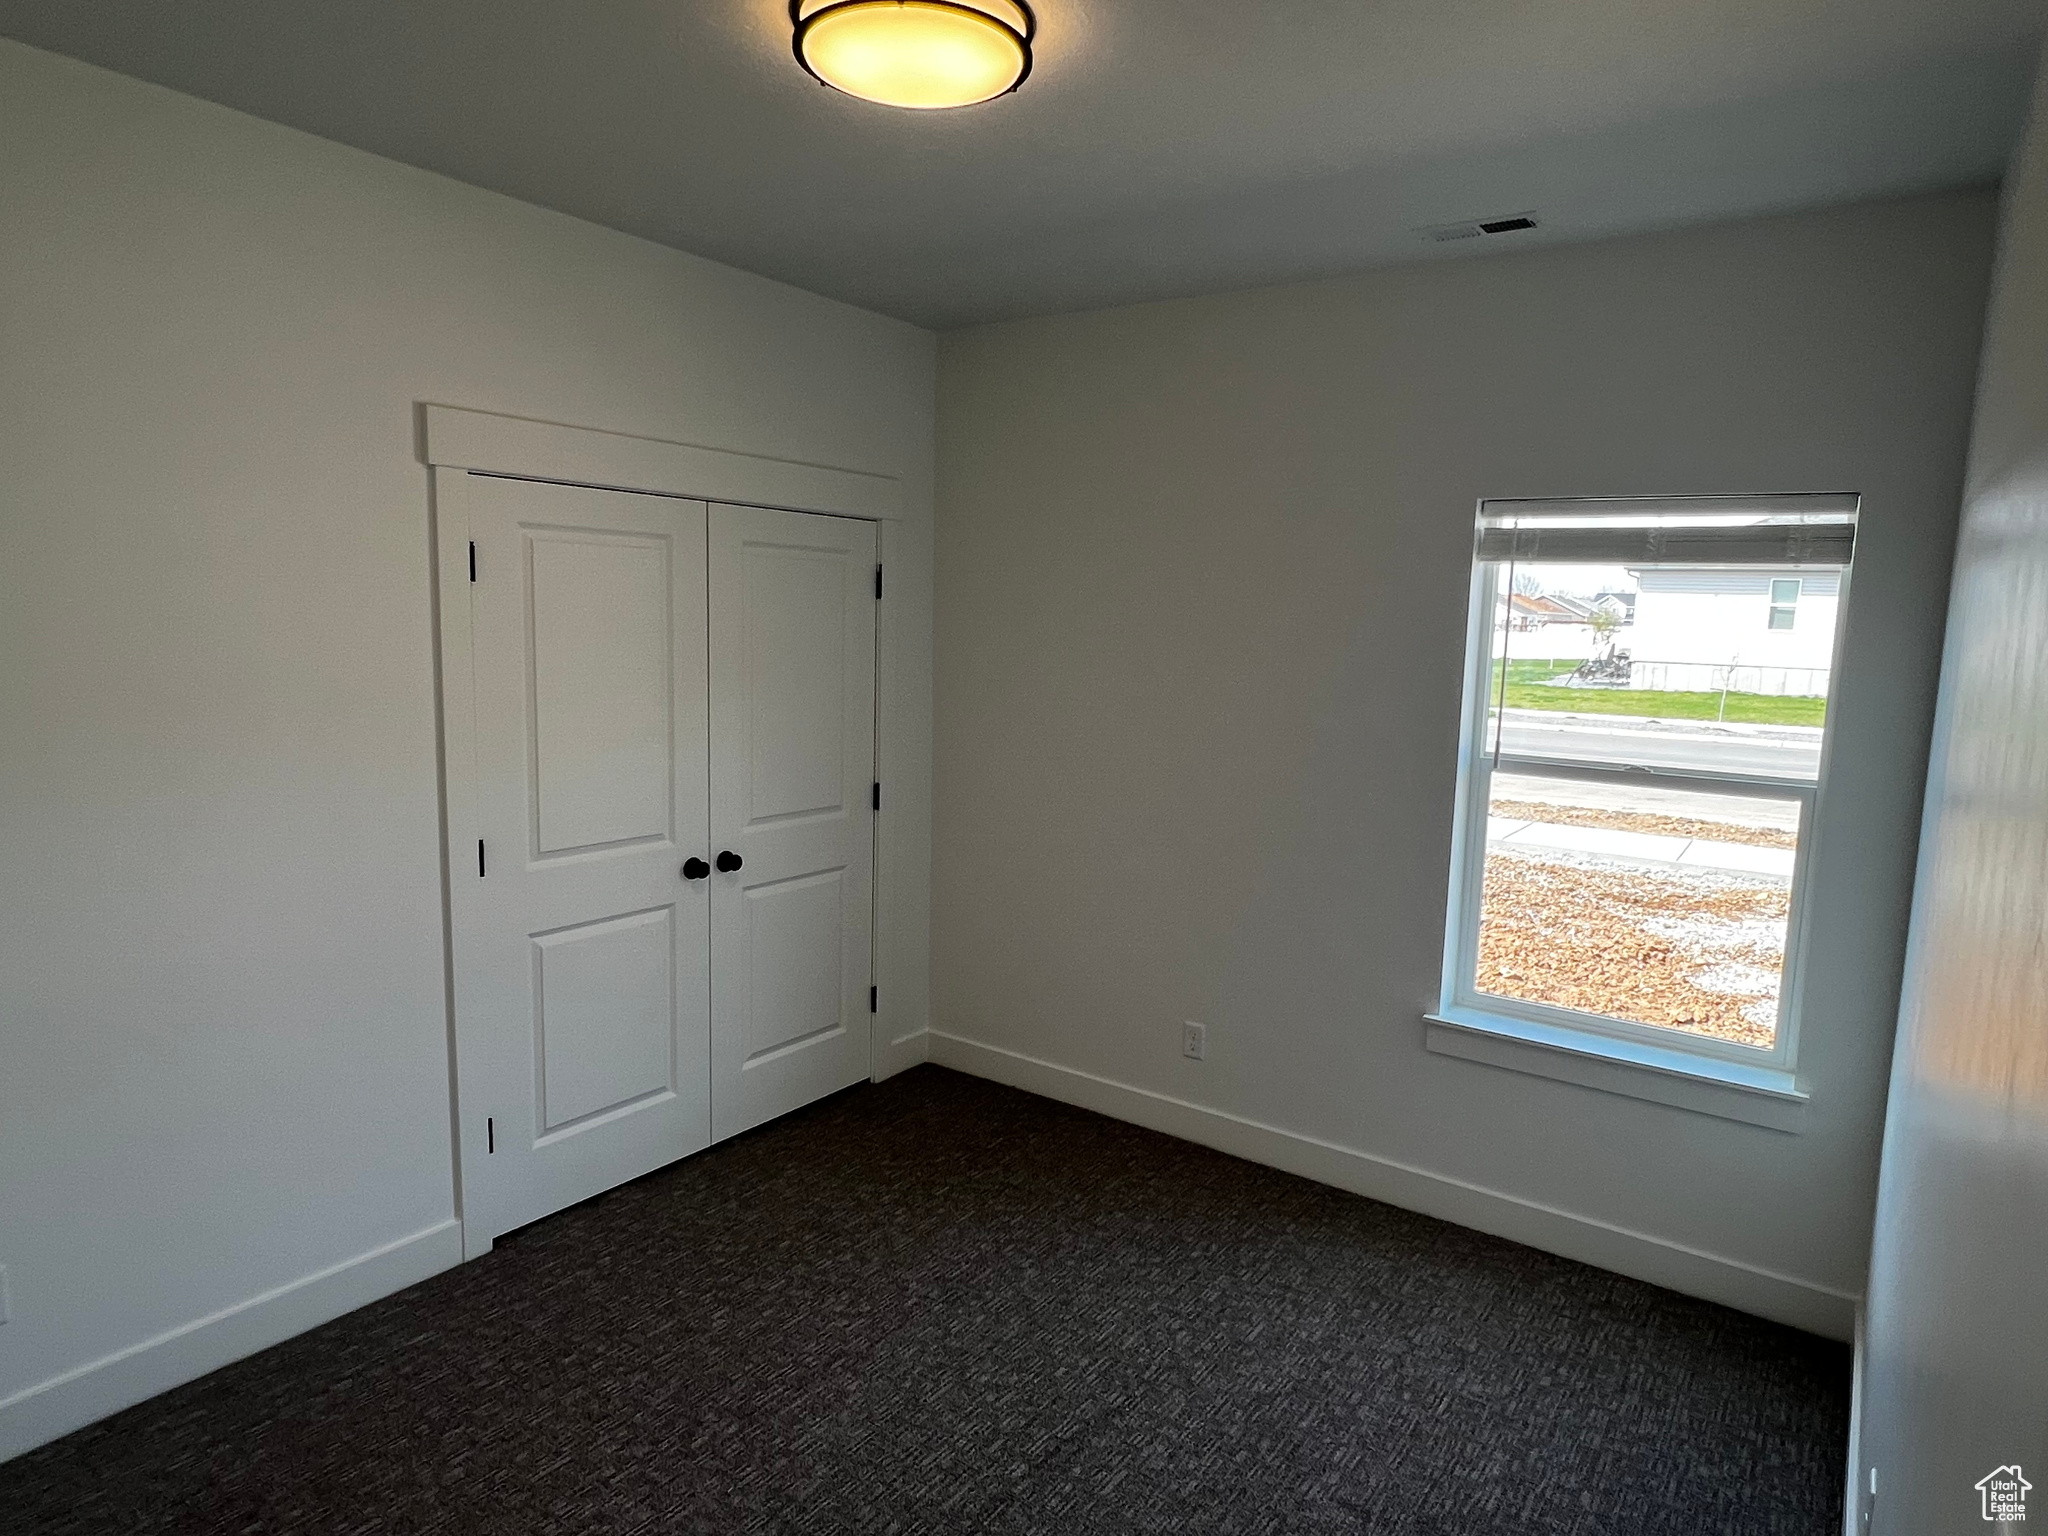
(1705, 677)
(1564, 652)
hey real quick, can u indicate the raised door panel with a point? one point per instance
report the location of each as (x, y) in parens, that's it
(604, 1006)
(795, 992)
(794, 653)
(602, 710)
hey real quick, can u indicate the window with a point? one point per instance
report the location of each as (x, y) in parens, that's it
(1636, 785)
(1784, 599)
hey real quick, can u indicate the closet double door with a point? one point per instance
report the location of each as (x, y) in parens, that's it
(660, 742)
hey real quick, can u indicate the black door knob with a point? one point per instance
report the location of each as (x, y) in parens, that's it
(695, 869)
(728, 861)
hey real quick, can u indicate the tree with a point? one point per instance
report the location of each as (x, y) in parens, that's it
(1604, 621)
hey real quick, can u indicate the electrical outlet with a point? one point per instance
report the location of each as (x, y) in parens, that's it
(1194, 1040)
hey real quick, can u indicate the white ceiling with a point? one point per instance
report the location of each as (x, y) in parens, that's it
(1160, 147)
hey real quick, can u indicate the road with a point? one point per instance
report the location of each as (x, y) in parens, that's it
(1785, 752)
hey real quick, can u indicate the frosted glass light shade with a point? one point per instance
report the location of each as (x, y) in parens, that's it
(922, 54)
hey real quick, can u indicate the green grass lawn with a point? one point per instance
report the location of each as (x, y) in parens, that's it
(1526, 689)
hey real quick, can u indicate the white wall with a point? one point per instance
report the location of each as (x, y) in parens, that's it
(1956, 1382)
(223, 1064)
(1202, 576)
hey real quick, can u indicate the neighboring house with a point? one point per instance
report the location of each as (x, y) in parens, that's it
(1538, 610)
(1558, 626)
(1533, 609)
(1747, 631)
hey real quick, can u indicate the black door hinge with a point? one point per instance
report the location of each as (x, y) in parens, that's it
(472, 559)
(878, 583)
(490, 1134)
(878, 794)
(479, 858)
(872, 994)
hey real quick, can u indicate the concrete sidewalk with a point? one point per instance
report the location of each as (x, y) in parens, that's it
(1643, 847)
(1701, 730)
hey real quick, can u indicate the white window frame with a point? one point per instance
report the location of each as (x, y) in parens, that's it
(1791, 609)
(1642, 1060)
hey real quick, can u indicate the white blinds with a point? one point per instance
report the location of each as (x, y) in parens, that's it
(1774, 531)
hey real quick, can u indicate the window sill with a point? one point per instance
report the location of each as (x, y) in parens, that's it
(1766, 1096)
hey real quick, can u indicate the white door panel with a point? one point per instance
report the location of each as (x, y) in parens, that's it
(792, 767)
(604, 1002)
(793, 941)
(603, 720)
(794, 650)
(581, 953)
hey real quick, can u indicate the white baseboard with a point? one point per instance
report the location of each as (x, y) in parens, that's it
(92, 1391)
(1782, 1298)
(893, 1056)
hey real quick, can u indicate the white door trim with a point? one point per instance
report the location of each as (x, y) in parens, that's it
(454, 438)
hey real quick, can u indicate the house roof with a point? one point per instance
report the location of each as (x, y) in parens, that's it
(1552, 608)
(1539, 605)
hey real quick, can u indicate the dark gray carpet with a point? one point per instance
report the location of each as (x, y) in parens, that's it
(939, 1305)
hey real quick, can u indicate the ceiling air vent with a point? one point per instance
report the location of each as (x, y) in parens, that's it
(1472, 229)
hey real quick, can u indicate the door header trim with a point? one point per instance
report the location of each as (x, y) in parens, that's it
(455, 438)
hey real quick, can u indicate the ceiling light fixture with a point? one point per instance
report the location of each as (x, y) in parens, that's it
(921, 54)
